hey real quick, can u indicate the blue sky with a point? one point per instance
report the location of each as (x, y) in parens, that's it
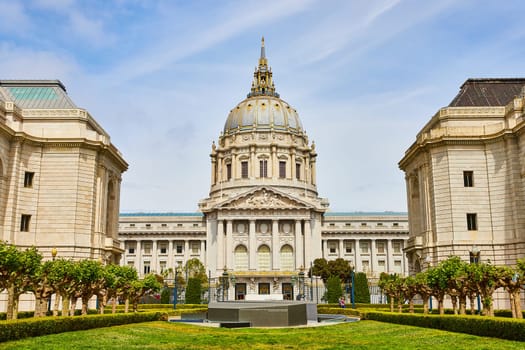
(161, 77)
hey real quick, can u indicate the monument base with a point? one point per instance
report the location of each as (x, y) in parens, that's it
(263, 314)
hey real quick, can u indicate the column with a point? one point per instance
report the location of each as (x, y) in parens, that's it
(373, 254)
(154, 256)
(292, 156)
(341, 248)
(390, 256)
(220, 168)
(404, 260)
(203, 252)
(138, 262)
(251, 171)
(313, 172)
(307, 243)
(275, 245)
(252, 249)
(275, 168)
(298, 244)
(357, 262)
(220, 245)
(186, 250)
(170, 255)
(234, 164)
(324, 242)
(213, 170)
(229, 241)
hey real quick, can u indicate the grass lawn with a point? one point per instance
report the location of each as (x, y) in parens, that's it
(358, 335)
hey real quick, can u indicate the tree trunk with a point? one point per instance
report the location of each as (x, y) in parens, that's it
(65, 305)
(102, 304)
(114, 306)
(472, 297)
(441, 306)
(126, 306)
(391, 303)
(10, 303)
(425, 304)
(40, 306)
(462, 304)
(454, 304)
(512, 304)
(57, 303)
(84, 306)
(73, 306)
(411, 306)
(517, 303)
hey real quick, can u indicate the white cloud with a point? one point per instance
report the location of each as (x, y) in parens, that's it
(13, 17)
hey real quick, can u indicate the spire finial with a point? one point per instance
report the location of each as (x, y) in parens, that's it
(262, 78)
(263, 53)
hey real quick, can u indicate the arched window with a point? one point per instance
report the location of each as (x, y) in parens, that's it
(241, 258)
(263, 258)
(287, 260)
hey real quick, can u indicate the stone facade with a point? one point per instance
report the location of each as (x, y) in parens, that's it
(59, 174)
(263, 221)
(465, 177)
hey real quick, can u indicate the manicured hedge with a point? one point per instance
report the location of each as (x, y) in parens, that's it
(495, 327)
(34, 327)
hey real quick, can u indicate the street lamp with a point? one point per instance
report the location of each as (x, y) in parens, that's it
(475, 254)
(175, 296)
(301, 282)
(225, 283)
(352, 277)
(54, 253)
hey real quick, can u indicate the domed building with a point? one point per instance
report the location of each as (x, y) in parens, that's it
(263, 224)
(263, 215)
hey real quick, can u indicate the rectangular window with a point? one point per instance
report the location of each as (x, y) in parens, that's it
(244, 170)
(131, 250)
(395, 224)
(162, 265)
(379, 224)
(164, 225)
(228, 171)
(282, 169)
(298, 171)
(380, 247)
(381, 265)
(363, 224)
(364, 247)
(472, 222)
(131, 263)
(147, 267)
(131, 225)
(179, 249)
(179, 225)
(163, 249)
(195, 247)
(332, 247)
(263, 168)
(348, 224)
(28, 179)
(348, 247)
(147, 248)
(468, 178)
(264, 288)
(24, 222)
(397, 247)
(195, 225)
(397, 266)
(331, 224)
(366, 266)
(148, 225)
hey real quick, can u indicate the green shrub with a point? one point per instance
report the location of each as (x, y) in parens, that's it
(193, 291)
(333, 289)
(34, 327)
(504, 328)
(165, 296)
(361, 291)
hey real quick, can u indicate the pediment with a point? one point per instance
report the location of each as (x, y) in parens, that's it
(264, 198)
